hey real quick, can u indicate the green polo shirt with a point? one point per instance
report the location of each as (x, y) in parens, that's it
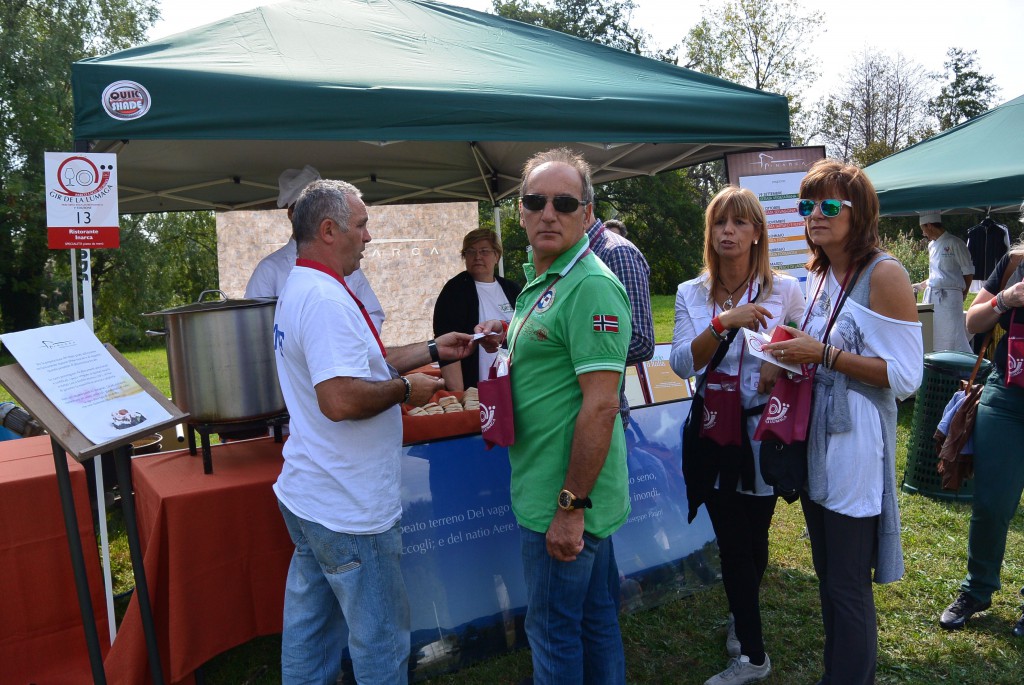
(581, 325)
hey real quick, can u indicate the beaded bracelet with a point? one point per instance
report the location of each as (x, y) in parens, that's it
(1000, 303)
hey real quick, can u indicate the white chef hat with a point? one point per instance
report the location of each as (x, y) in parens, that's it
(291, 183)
(931, 218)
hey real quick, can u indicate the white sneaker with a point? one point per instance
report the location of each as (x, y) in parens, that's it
(732, 643)
(740, 670)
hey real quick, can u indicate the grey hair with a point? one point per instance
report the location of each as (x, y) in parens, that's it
(565, 156)
(322, 199)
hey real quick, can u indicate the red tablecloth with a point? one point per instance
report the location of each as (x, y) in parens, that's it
(216, 553)
(41, 636)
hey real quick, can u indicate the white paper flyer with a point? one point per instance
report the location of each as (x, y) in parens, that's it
(86, 384)
(755, 341)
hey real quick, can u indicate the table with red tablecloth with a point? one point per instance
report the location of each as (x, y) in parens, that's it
(41, 635)
(216, 553)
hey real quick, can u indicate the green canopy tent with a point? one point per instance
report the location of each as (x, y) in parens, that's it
(978, 165)
(410, 100)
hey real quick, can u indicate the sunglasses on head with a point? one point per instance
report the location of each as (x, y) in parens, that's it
(565, 204)
(829, 208)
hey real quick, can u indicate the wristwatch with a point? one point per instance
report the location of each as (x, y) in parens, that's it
(570, 502)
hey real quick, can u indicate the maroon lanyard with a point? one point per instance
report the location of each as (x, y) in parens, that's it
(310, 264)
(714, 310)
(835, 311)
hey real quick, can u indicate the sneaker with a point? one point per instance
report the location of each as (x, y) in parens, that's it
(1018, 627)
(732, 643)
(962, 608)
(740, 670)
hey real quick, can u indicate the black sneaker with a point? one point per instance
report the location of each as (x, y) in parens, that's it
(962, 608)
(1018, 628)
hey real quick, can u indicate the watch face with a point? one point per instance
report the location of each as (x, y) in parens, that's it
(565, 499)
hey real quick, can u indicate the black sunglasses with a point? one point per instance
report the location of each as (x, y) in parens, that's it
(565, 204)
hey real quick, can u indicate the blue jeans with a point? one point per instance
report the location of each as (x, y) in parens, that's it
(337, 580)
(572, 619)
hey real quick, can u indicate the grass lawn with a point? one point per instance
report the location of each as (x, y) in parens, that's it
(683, 641)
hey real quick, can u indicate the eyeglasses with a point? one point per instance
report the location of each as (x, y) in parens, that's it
(565, 204)
(829, 208)
(483, 252)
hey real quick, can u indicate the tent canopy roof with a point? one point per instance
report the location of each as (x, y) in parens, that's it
(978, 165)
(411, 100)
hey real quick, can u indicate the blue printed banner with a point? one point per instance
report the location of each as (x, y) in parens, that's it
(461, 556)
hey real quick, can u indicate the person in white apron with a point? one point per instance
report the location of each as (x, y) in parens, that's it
(950, 272)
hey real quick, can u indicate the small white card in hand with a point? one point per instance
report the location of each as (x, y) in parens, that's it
(477, 336)
(755, 341)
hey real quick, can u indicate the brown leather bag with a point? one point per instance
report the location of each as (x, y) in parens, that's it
(955, 466)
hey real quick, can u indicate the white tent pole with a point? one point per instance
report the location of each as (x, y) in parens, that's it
(74, 283)
(97, 462)
(497, 229)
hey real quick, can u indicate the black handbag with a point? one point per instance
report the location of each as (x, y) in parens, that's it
(704, 460)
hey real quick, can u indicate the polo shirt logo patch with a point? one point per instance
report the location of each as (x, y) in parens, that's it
(603, 323)
(546, 300)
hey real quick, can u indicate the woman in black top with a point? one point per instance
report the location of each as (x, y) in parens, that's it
(474, 293)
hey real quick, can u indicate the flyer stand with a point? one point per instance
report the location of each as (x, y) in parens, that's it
(66, 439)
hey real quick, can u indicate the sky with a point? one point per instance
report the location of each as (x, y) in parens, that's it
(922, 30)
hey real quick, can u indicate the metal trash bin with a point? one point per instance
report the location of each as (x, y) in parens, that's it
(943, 372)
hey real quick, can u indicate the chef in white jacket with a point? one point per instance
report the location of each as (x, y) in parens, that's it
(270, 274)
(950, 272)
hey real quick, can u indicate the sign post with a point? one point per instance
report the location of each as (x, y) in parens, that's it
(81, 213)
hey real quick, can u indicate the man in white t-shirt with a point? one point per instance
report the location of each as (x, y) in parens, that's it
(269, 276)
(950, 272)
(339, 488)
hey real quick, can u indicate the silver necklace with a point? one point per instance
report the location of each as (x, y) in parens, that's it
(728, 304)
(830, 291)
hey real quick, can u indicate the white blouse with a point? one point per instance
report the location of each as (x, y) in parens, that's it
(853, 460)
(694, 311)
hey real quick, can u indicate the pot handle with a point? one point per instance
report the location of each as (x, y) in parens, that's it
(223, 295)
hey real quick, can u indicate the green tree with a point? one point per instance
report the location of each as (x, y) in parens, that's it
(662, 213)
(602, 21)
(967, 93)
(880, 109)
(164, 260)
(39, 39)
(758, 43)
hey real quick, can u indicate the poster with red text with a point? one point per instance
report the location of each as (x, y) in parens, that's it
(81, 200)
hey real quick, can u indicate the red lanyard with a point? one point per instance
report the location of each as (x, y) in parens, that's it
(310, 264)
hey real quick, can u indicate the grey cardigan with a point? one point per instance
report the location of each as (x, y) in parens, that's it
(830, 413)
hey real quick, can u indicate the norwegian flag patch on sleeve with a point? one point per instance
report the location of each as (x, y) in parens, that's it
(604, 323)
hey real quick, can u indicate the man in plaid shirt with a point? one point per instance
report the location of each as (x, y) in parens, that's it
(627, 262)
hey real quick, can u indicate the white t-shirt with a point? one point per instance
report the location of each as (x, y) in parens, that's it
(269, 276)
(693, 314)
(853, 460)
(948, 263)
(344, 475)
(493, 305)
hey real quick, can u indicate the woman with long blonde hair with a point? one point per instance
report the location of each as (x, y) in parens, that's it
(737, 289)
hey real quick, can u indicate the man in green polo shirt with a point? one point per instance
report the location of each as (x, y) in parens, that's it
(568, 342)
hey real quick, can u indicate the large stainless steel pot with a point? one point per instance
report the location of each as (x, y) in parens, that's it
(220, 355)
